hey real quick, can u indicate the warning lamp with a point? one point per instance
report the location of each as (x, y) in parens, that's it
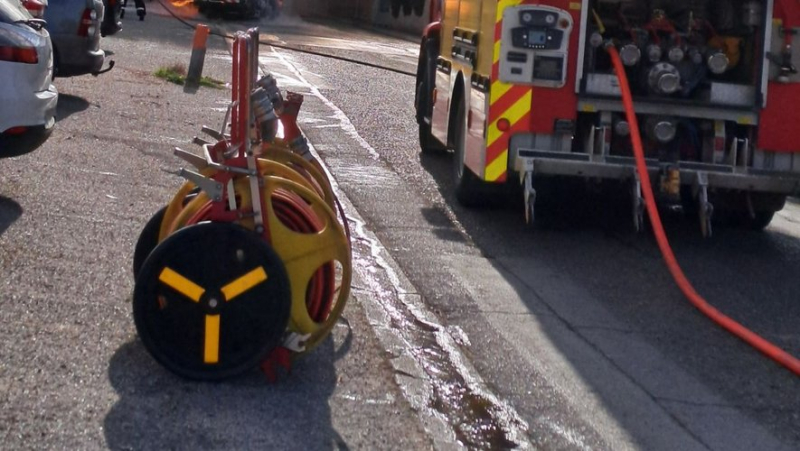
(503, 124)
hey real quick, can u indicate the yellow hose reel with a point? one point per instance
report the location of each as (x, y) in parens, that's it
(250, 262)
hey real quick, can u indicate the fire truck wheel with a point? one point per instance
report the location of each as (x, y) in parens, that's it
(211, 301)
(427, 143)
(759, 222)
(426, 71)
(469, 188)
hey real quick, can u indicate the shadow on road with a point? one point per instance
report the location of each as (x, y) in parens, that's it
(69, 105)
(10, 211)
(586, 238)
(157, 410)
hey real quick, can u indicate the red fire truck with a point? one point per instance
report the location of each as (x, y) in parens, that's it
(526, 90)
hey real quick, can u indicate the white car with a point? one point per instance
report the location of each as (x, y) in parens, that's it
(27, 95)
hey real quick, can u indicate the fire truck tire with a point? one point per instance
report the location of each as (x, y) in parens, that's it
(426, 71)
(759, 222)
(428, 144)
(469, 188)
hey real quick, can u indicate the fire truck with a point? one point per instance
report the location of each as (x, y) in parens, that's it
(525, 90)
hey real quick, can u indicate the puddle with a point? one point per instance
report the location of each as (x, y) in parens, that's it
(455, 392)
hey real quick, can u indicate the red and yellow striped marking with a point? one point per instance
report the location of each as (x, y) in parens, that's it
(511, 102)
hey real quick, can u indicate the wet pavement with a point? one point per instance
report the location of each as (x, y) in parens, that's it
(73, 374)
(464, 327)
(574, 327)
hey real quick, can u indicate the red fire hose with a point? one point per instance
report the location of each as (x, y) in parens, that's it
(751, 338)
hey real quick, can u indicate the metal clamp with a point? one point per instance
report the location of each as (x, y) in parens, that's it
(638, 202)
(209, 186)
(195, 160)
(530, 194)
(705, 209)
(212, 133)
(296, 342)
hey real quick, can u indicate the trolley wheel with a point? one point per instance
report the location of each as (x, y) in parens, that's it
(211, 301)
(148, 240)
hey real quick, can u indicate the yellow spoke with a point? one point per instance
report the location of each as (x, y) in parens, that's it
(244, 283)
(211, 348)
(181, 284)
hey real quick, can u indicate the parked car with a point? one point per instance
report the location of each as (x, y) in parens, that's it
(27, 94)
(74, 27)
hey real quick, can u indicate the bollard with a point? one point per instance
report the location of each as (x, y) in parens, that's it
(197, 59)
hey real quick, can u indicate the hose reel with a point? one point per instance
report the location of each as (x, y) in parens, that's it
(250, 263)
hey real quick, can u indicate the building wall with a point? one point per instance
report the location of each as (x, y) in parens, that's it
(371, 12)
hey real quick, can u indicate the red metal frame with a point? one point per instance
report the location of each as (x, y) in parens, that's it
(244, 71)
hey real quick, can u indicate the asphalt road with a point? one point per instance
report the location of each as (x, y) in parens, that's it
(464, 326)
(73, 374)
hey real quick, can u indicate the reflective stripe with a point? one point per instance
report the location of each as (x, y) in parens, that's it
(211, 346)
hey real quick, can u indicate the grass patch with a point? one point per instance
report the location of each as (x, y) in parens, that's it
(177, 74)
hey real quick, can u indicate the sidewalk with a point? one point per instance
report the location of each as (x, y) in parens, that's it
(73, 373)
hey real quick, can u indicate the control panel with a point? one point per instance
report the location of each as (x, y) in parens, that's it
(534, 46)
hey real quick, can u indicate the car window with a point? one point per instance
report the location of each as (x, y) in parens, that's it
(12, 11)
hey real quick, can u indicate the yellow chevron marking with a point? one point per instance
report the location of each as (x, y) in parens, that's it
(496, 58)
(519, 109)
(497, 167)
(498, 89)
(503, 4)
